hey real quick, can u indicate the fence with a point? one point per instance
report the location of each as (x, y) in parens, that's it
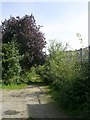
(83, 54)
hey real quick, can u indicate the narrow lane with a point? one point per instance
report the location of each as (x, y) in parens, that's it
(31, 102)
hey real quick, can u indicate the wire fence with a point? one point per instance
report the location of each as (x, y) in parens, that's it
(83, 54)
(80, 55)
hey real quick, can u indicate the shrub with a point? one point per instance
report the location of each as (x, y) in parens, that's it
(69, 78)
(10, 63)
(31, 76)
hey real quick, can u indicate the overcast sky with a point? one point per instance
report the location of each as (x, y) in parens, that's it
(61, 20)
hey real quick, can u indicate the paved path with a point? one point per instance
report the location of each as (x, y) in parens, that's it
(0, 104)
(31, 102)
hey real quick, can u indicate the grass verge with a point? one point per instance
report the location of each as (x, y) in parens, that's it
(14, 86)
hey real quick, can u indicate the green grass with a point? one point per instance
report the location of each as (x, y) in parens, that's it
(13, 86)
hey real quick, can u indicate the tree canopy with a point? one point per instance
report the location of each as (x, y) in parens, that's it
(29, 38)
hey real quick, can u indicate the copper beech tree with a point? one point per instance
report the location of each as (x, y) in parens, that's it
(29, 38)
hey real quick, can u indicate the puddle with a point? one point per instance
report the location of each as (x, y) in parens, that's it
(11, 112)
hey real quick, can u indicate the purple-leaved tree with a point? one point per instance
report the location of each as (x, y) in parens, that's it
(29, 38)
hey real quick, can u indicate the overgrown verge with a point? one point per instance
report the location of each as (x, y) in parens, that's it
(69, 79)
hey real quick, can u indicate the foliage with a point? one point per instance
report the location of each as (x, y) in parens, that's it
(1, 61)
(30, 76)
(10, 63)
(69, 79)
(30, 39)
(43, 72)
(22, 48)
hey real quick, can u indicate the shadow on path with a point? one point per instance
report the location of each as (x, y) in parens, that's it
(45, 106)
(31, 102)
(44, 111)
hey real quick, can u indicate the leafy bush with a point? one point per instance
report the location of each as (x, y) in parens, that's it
(31, 76)
(69, 78)
(10, 63)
